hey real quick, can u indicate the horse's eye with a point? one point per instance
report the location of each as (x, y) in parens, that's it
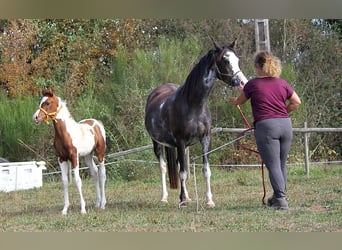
(226, 57)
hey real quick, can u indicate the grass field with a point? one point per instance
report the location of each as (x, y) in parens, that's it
(315, 205)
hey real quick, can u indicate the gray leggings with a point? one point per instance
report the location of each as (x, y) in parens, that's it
(274, 138)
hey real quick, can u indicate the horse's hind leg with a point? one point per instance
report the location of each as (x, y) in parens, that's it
(158, 150)
(99, 177)
(102, 176)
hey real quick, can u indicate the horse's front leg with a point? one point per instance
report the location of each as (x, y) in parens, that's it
(65, 182)
(206, 170)
(183, 174)
(78, 181)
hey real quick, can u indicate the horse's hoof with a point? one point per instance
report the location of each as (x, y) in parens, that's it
(164, 201)
(83, 212)
(210, 204)
(183, 204)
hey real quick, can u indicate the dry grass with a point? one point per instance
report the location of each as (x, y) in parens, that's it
(315, 205)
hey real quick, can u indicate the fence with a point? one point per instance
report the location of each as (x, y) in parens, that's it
(306, 131)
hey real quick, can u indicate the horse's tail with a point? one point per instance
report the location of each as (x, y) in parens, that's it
(172, 167)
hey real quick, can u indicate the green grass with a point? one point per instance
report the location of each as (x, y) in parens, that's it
(315, 205)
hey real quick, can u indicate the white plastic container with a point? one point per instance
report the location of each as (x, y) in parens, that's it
(21, 175)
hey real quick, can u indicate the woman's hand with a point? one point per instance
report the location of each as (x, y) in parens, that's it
(233, 100)
(238, 100)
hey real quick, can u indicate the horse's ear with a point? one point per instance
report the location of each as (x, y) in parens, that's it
(215, 43)
(233, 44)
(47, 91)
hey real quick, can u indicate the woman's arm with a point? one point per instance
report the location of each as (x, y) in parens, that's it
(241, 99)
(294, 102)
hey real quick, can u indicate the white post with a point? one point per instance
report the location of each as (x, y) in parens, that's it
(306, 150)
(262, 36)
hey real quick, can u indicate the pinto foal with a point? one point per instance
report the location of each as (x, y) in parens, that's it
(74, 139)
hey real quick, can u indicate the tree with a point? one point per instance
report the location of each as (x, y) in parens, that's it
(16, 57)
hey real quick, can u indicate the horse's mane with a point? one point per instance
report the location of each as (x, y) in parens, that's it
(196, 74)
(64, 109)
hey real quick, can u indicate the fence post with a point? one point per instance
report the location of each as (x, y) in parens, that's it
(306, 150)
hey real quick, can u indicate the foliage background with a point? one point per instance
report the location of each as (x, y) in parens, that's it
(105, 69)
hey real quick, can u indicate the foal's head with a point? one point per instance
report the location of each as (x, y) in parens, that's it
(227, 65)
(49, 106)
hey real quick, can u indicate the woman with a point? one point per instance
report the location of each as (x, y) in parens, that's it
(272, 99)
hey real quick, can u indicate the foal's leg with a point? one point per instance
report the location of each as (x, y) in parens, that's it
(206, 170)
(65, 182)
(158, 151)
(102, 176)
(183, 174)
(95, 174)
(78, 183)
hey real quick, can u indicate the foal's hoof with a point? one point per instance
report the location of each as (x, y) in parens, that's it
(210, 204)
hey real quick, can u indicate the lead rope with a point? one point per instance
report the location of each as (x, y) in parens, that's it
(250, 128)
(245, 134)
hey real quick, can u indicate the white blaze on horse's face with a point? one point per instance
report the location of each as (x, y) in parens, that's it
(233, 61)
(35, 115)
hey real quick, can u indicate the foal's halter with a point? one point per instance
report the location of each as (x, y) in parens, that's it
(52, 115)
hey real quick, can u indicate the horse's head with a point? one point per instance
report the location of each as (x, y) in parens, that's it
(48, 107)
(227, 65)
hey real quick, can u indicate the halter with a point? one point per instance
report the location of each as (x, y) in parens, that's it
(224, 74)
(52, 115)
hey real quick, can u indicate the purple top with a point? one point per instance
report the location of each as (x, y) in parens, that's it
(268, 97)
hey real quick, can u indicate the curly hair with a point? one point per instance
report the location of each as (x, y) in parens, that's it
(269, 64)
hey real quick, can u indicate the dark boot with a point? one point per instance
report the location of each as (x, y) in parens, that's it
(278, 203)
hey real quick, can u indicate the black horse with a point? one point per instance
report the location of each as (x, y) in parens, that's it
(178, 117)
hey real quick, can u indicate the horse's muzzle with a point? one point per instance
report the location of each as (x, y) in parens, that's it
(236, 81)
(35, 118)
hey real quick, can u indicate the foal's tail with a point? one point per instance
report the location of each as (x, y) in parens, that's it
(172, 167)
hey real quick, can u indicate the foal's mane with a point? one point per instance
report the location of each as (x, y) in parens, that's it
(62, 105)
(64, 110)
